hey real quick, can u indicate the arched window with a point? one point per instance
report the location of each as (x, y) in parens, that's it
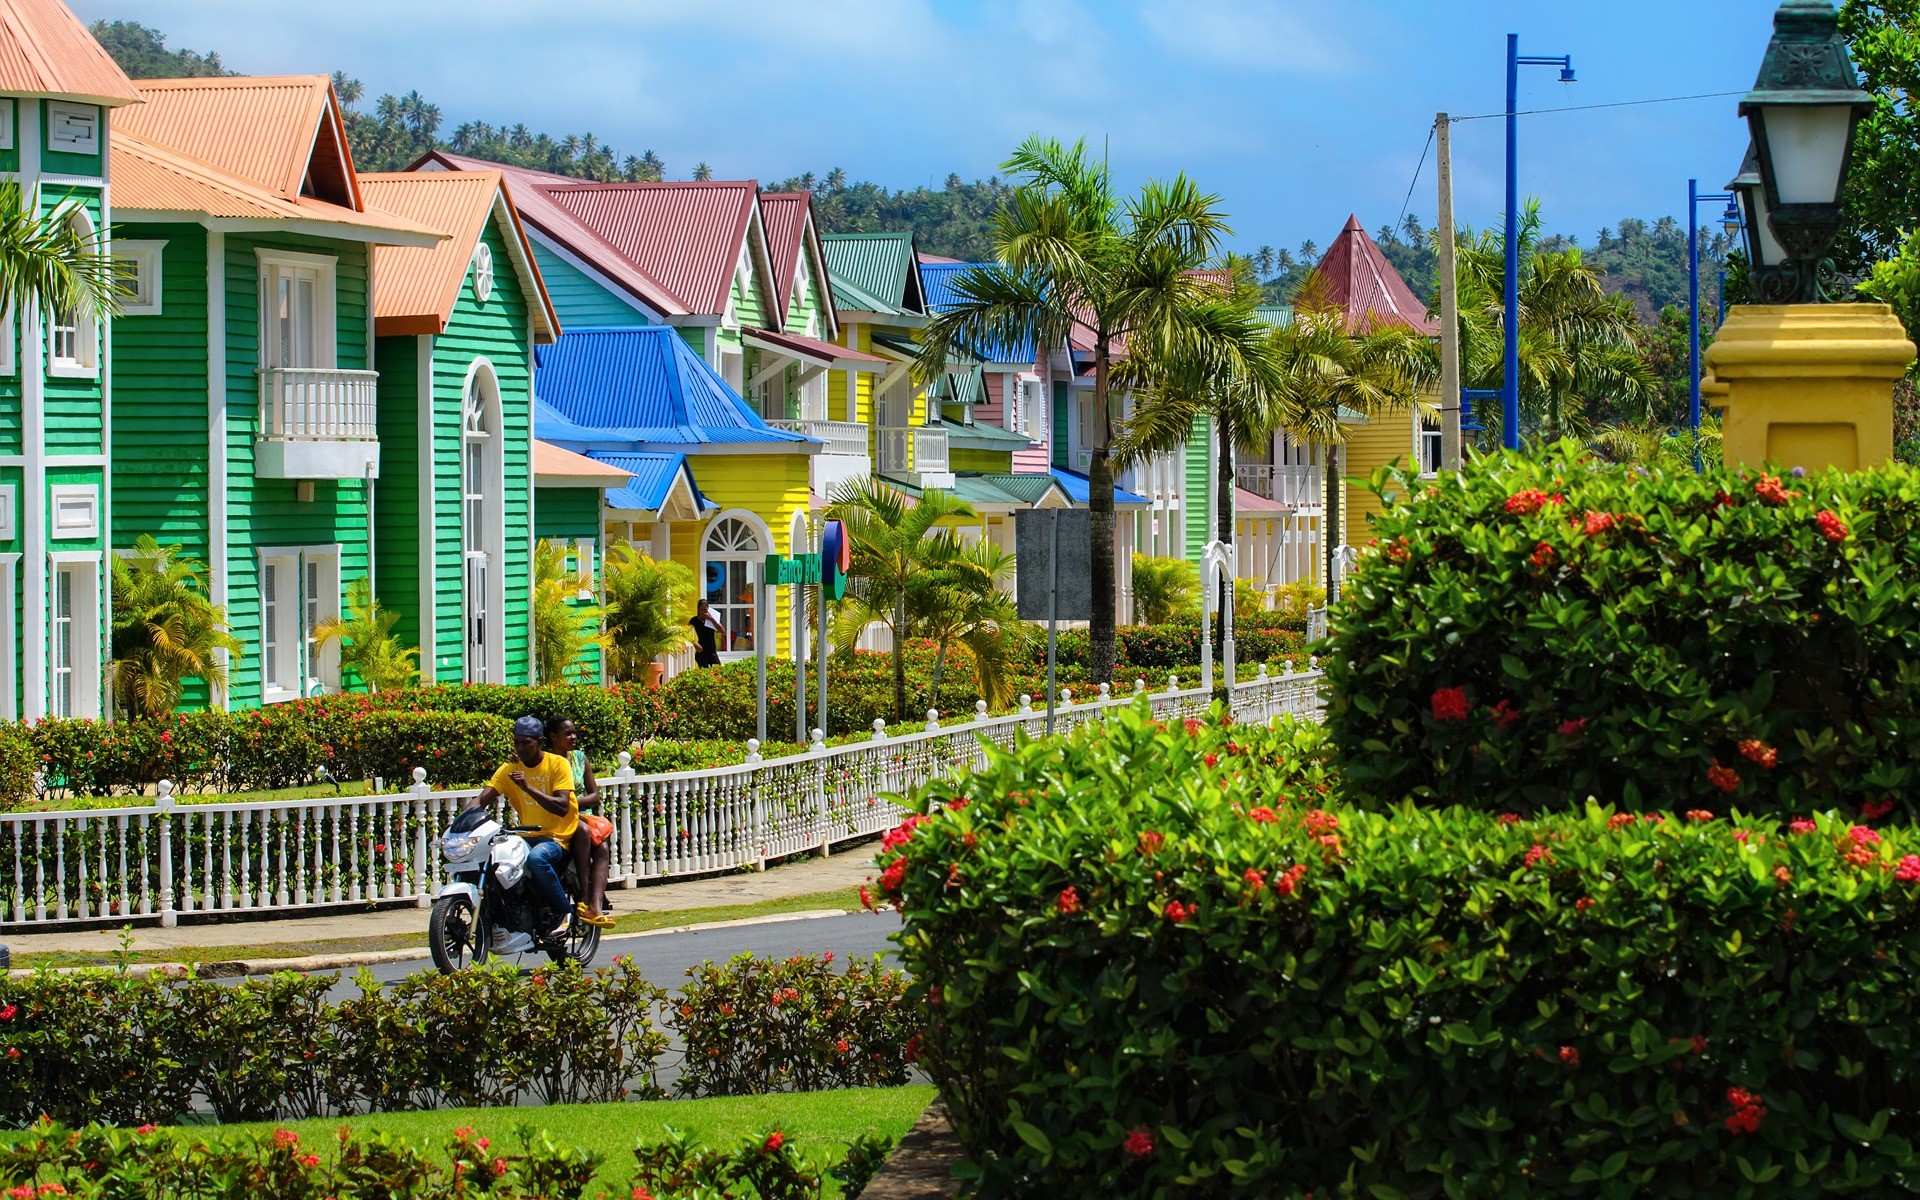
(73, 339)
(482, 531)
(731, 548)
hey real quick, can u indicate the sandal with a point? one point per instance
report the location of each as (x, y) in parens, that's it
(591, 917)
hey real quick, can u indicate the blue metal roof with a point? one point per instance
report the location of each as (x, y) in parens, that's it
(1077, 488)
(641, 387)
(653, 477)
(938, 279)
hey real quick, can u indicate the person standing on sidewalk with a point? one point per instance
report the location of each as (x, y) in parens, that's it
(538, 787)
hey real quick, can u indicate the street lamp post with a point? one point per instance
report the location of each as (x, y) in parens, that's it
(1510, 385)
(1730, 221)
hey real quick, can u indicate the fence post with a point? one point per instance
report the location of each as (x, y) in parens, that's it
(879, 729)
(1106, 699)
(753, 751)
(759, 814)
(1026, 704)
(625, 770)
(163, 805)
(980, 710)
(818, 750)
(422, 868)
(933, 720)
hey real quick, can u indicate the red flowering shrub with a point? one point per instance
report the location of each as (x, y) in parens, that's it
(1364, 1022)
(1720, 619)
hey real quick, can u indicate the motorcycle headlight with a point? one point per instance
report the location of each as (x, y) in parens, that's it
(459, 846)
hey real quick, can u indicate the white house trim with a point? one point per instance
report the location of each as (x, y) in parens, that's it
(429, 608)
(217, 565)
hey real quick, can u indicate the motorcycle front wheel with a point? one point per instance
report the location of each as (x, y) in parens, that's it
(456, 935)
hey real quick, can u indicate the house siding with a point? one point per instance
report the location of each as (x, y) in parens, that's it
(578, 299)
(397, 500)
(771, 486)
(1197, 510)
(1383, 440)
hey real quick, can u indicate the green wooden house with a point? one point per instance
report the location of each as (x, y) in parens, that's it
(455, 326)
(247, 427)
(56, 394)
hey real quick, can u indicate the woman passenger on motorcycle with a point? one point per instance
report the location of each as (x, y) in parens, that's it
(538, 787)
(591, 859)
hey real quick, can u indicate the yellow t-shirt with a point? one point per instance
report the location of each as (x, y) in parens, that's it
(554, 777)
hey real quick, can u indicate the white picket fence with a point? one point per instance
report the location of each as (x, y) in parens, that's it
(165, 861)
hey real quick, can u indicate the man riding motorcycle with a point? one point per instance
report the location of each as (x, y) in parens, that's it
(539, 788)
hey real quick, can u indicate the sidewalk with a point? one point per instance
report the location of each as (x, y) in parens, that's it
(292, 936)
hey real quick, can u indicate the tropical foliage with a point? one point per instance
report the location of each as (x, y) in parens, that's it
(1658, 446)
(565, 627)
(1577, 350)
(368, 646)
(166, 630)
(1882, 205)
(648, 603)
(46, 260)
(1076, 258)
(1164, 589)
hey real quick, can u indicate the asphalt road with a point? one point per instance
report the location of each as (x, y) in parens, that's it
(664, 958)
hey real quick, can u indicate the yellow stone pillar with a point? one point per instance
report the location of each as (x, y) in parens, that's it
(1808, 385)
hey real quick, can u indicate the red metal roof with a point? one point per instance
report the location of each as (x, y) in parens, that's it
(536, 208)
(688, 236)
(784, 214)
(1366, 287)
(825, 353)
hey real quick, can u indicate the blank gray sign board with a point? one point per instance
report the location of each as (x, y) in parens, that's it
(1033, 546)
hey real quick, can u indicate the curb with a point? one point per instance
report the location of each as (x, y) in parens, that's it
(238, 968)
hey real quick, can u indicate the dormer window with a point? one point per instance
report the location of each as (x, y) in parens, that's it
(483, 272)
(73, 128)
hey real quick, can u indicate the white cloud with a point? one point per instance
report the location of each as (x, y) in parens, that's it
(1280, 34)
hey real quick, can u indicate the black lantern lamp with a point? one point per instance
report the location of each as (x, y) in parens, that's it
(1802, 111)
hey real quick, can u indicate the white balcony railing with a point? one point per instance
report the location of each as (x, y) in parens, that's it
(317, 423)
(918, 450)
(841, 437)
(1299, 487)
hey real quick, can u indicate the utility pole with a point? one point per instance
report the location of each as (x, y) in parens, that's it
(1450, 450)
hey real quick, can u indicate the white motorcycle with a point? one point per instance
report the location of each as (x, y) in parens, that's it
(488, 910)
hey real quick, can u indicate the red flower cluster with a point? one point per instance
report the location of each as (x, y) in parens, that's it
(893, 877)
(1256, 880)
(1450, 704)
(1505, 715)
(1542, 554)
(1178, 912)
(1583, 904)
(1699, 814)
(1320, 821)
(1139, 1144)
(1801, 825)
(1621, 820)
(1507, 819)
(1068, 903)
(1212, 760)
(1150, 842)
(1284, 885)
(1909, 869)
(1862, 836)
(1397, 551)
(1768, 488)
(1573, 727)
(1596, 523)
(1748, 1112)
(1536, 853)
(775, 1140)
(1262, 815)
(1526, 503)
(903, 832)
(1725, 778)
(1831, 526)
(1569, 1056)
(1873, 810)
(1756, 751)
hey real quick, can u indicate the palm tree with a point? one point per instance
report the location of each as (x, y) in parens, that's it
(367, 644)
(648, 603)
(48, 262)
(961, 599)
(165, 629)
(563, 628)
(1576, 339)
(702, 172)
(1163, 588)
(1073, 256)
(897, 542)
(1646, 445)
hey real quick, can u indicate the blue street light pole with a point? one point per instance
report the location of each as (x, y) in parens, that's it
(1510, 383)
(1729, 220)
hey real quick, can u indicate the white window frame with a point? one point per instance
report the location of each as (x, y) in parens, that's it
(9, 636)
(143, 298)
(733, 369)
(80, 500)
(83, 632)
(321, 669)
(1430, 448)
(84, 362)
(764, 537)
(80, 123)
(482, 440)
(9, 342)
(9, 512)
(583, 549)
(280, 635)
(7, 108)
(325, 272)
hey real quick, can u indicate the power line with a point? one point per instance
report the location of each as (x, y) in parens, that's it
(1534, 112)
(1415, 181)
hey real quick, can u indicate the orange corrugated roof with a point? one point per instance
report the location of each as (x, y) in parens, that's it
(152, 178)
(46, 51)
(276, 132)
(554, 462)
(416, 287)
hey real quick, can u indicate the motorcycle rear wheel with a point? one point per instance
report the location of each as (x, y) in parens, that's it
(580, 943)
(457, 936)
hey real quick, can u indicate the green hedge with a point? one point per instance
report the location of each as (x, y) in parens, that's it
(1158, 962)
(1531, 631)
(99, 1046)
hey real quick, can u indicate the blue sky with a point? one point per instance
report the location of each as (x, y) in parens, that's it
(1296, 112)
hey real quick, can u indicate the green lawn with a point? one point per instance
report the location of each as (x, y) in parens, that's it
(819, 1124)
(631, 922)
